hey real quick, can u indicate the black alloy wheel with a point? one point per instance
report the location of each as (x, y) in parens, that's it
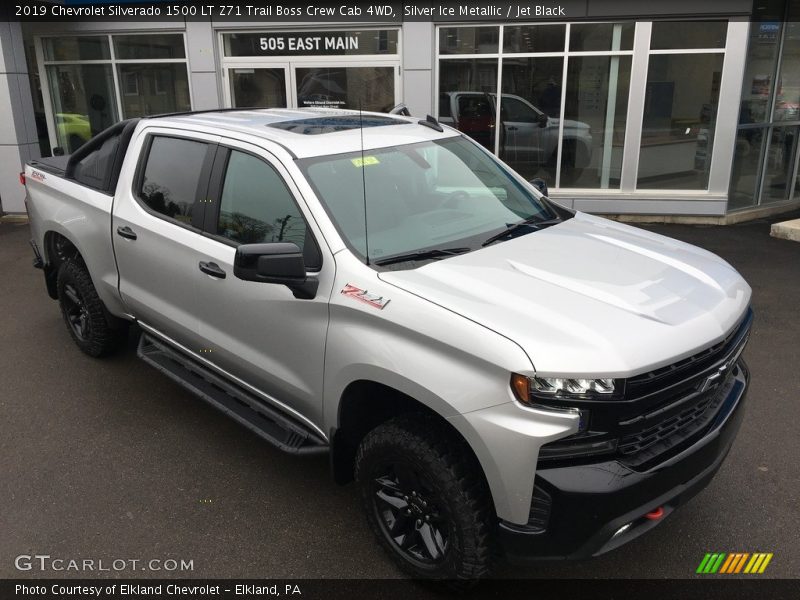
(411, 515)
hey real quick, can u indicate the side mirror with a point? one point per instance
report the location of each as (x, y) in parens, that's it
(280, 262)
(540, 185)
(542, 120)
(58, 151)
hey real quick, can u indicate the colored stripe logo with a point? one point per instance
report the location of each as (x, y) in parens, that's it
(734, 562)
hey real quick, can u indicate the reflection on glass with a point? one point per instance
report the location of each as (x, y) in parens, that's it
(534, 38)
(594, 128)
(258, 88)
(669, 35)
(83, 102)
(679, 121)
(746, 168)
(466, 90)
(89, 47)
(370, 88)
(599, 37)
(151, 89)
(762, 53)
(787, 103)
(169, 184)
(149, 47)
(469, 40)
(780, 159)
(529, 116)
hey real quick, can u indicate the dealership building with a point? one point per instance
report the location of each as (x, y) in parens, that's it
(674, 107)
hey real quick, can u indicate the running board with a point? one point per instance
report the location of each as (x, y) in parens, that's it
(239, 404)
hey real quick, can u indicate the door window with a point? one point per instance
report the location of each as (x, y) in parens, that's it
(256, 206)
(172, 178)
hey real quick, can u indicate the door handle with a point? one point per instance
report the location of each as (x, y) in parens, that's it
(512, 128)
(212, 269)
(126, 232)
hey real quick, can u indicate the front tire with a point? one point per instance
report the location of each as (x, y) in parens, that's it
(426, 500)
(83, 312)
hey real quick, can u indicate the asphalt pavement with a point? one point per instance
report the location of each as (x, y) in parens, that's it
(109, 459)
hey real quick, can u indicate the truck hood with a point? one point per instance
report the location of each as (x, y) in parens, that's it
(590, 297)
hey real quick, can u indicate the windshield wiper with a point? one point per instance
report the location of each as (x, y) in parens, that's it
(421, 255)
(532, 222)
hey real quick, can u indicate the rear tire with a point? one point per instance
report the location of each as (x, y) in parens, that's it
(426, 500)
(84, 313)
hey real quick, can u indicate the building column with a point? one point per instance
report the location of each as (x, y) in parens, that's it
(18, 139)
(203, 77)
(419, 39)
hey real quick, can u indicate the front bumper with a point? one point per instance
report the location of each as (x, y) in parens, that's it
(589, 504)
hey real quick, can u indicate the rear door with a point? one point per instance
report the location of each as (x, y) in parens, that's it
(259, 332)
(156, 226)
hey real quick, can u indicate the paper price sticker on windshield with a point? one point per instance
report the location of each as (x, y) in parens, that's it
(366, 161)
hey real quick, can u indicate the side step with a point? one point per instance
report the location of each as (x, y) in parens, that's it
(242, 406)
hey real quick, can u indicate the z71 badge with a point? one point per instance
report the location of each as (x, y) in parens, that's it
(364, 296)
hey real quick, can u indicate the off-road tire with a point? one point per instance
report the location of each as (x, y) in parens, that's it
(80, 304)
(445, 464)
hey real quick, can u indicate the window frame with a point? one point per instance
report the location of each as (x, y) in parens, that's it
(201, 192)
(216, 183)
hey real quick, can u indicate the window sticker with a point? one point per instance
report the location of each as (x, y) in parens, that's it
(366, 161)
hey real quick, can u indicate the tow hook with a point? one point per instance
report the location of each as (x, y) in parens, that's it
(655, 514)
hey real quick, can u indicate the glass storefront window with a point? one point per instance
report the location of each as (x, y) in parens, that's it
(529, 111)
(311, 43)
(534, 38)
(595, 114)
(762, 54)
(149, 47)
(83, 100)
(150, 89)
(74, 48)
(601, 37)
(466, 90)
(787, 102)
(780, 160)
(668, 35)
(681, 101)
(258, 87)
(368, 88)
(746, 167)
(469, 40)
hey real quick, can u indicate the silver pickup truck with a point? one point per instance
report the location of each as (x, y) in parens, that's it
(500, 375)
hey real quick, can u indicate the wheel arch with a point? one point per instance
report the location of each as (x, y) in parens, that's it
(364, 405)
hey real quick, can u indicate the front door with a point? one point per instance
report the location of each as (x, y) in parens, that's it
(259, 332)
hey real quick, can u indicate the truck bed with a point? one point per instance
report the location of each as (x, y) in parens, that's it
(57, 165)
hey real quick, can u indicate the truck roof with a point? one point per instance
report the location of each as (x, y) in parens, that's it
(309, 132)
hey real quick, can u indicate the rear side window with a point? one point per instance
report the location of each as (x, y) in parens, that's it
(93, 170)
(172, 177)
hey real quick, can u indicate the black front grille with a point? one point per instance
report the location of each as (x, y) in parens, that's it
(651, 442)
(662, 411)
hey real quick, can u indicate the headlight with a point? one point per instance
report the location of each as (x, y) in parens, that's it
(555, 386)
(530, 389)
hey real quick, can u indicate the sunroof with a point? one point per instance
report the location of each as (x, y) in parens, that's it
(318, 125)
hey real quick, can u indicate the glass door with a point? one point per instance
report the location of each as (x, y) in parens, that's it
(261, 87)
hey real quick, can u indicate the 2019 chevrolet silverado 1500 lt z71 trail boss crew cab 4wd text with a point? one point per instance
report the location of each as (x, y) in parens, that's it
(499, 374)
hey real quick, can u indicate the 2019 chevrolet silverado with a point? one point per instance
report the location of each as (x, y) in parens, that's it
(500, 375)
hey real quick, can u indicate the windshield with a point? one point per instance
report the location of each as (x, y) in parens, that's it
(420, 197)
